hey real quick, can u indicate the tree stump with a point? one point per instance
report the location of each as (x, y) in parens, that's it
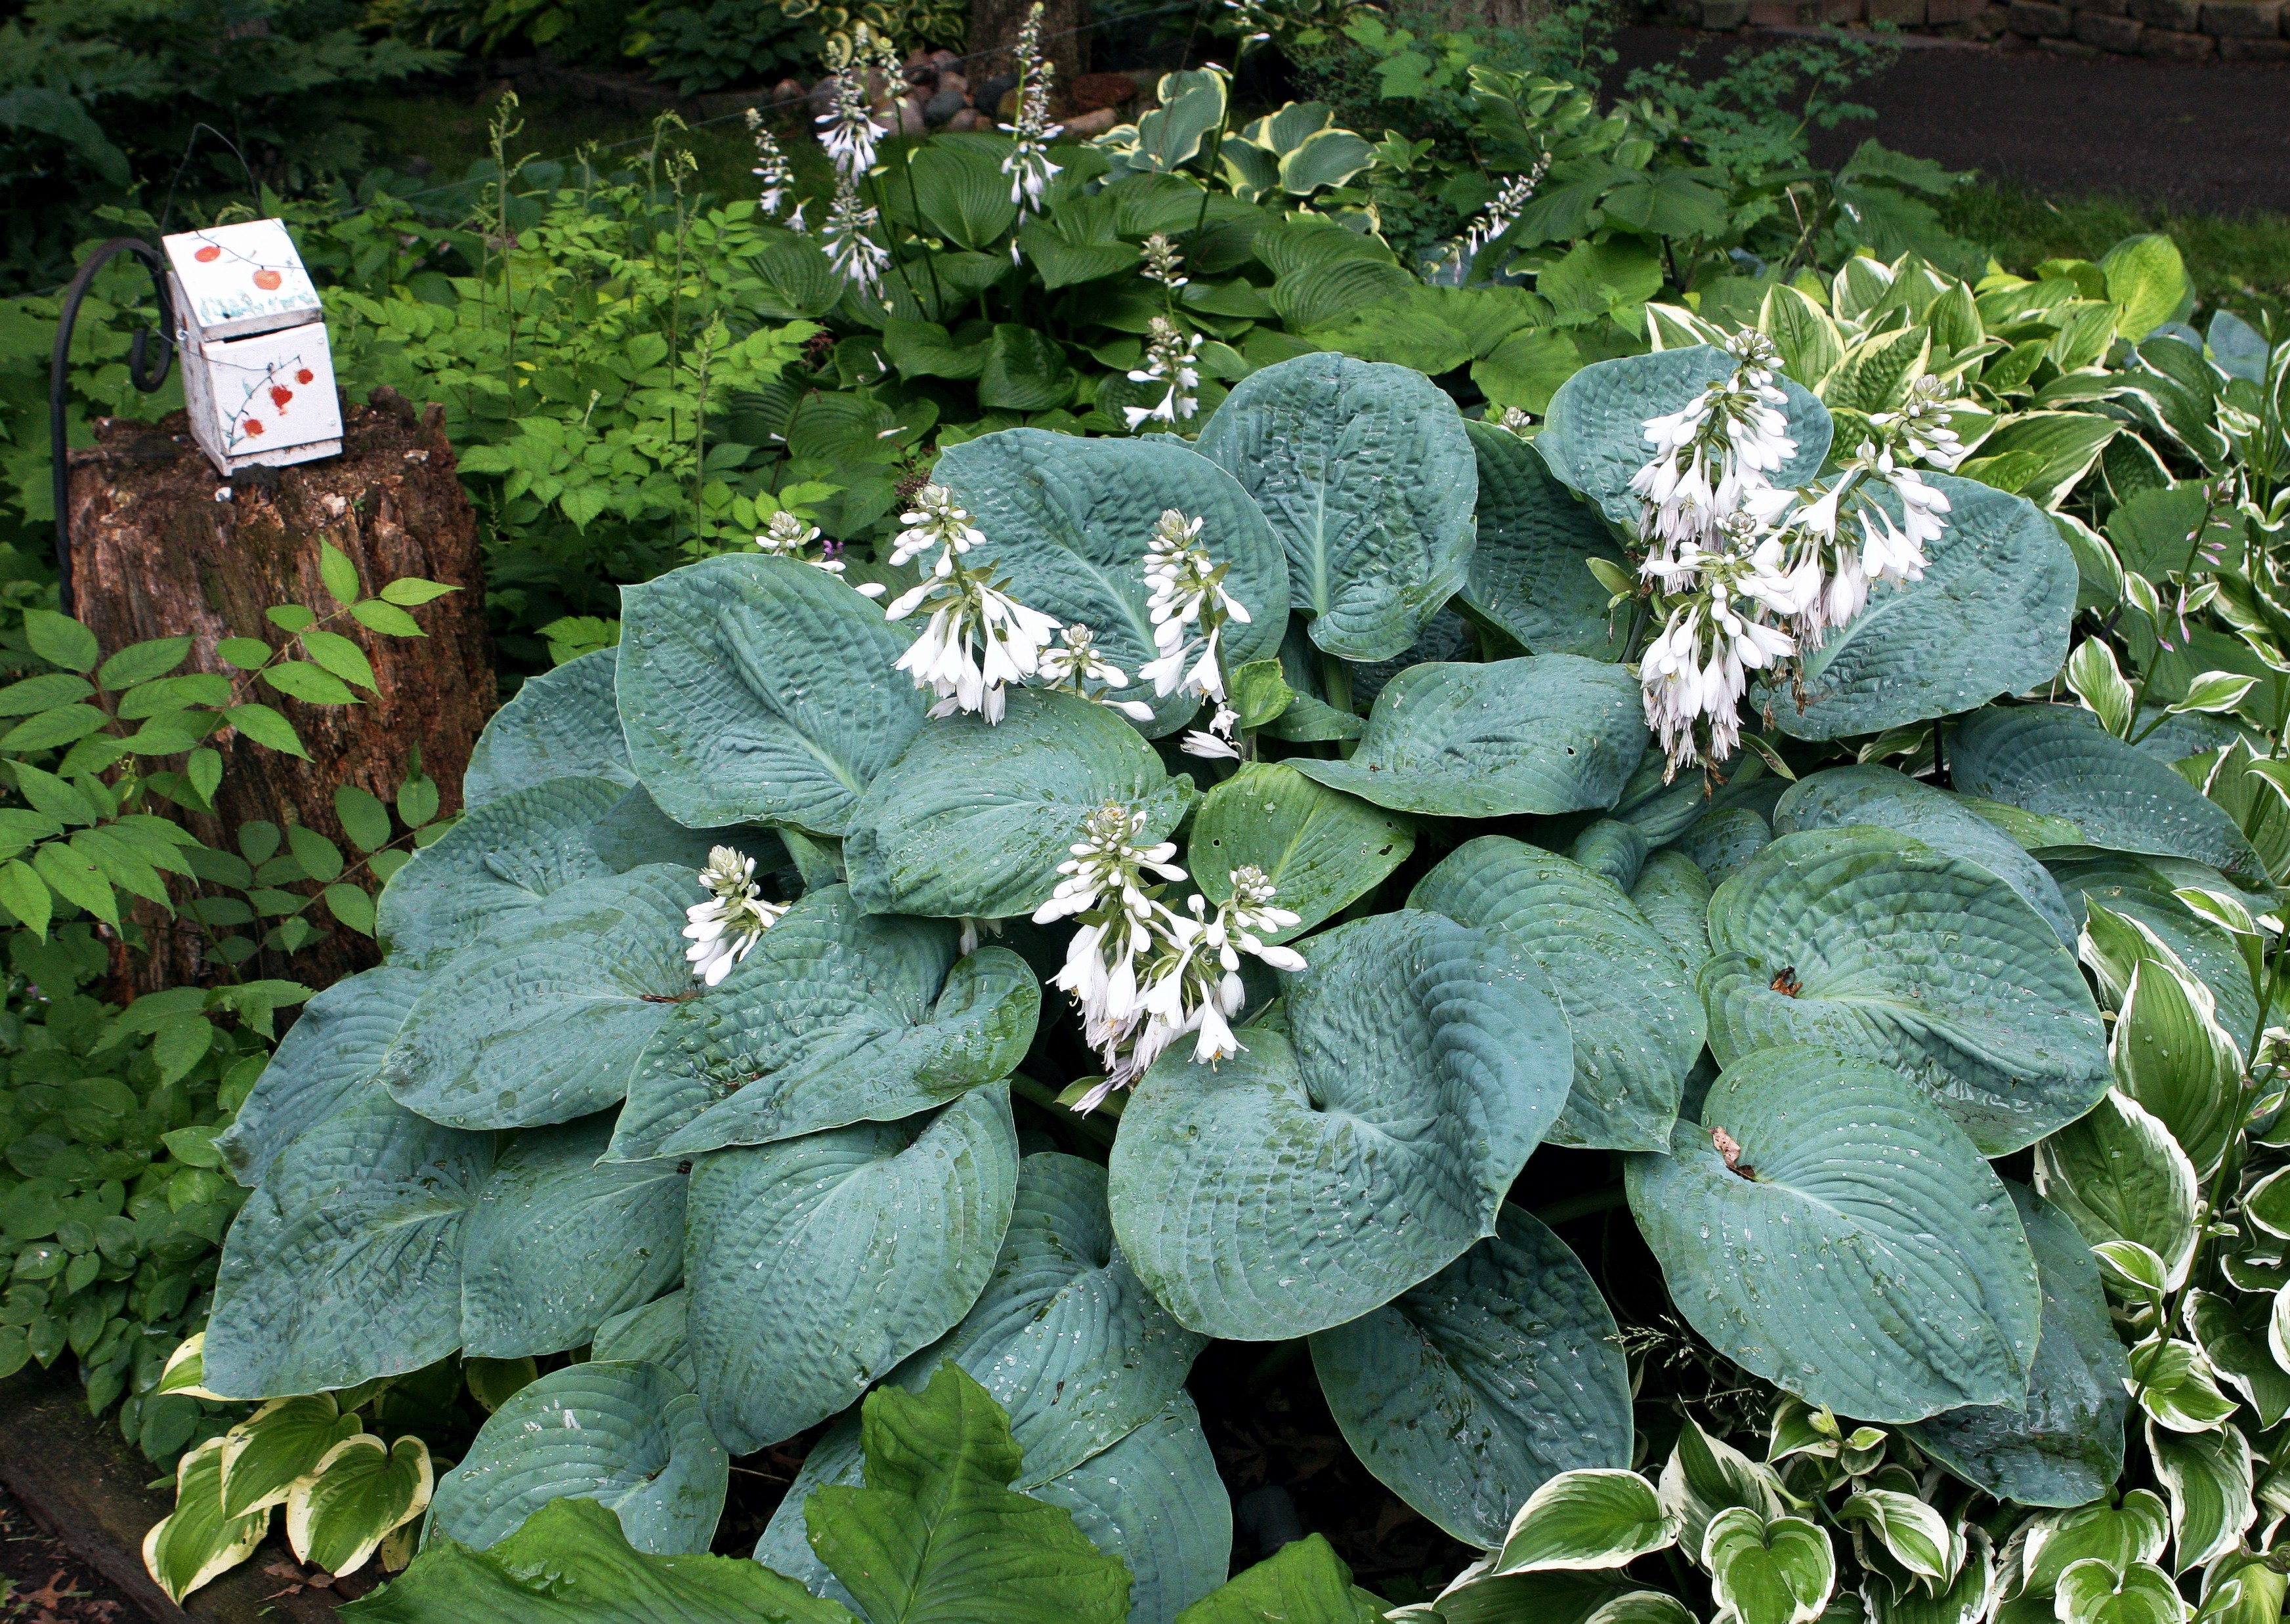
(161, 547)
(994, 26)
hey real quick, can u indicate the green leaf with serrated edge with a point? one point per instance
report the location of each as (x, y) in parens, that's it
(267, 728)
(411, 590)
(562, 723)
(339, 574)
(1989, 617)
(2119, 1175)
(936, 1524)
(1262, 1198)
(1636, 1032)
(2057, 760)
(195, 1542)
(1322, 850)
(1905, 1286)
(1871, 794)
(1304, 1582)
(814, 1265)
(1064, 1336)
(1530, 574)
(332, 1053)
(973, 820)
(1780, 1571)
(343, 657)
(364, 818)
(143, 662)
(2209, 1477)
(655, 1333)
(835, 1017)
(756, 689)
(1879, 945)
(358, 1493)
(346, 1264)
(543, 1020)
(2066, 1447)
(571, 1563)
(1704, 1475)
(1368, 479)
(283, 1441)
(560, 1241)
(2170, 1055)
(1673, 894)
(60, 640)
(26, 895)
(1067, 521)
(1550, 733)
(1595, 437)
(1586, 1518)
(304, 680)
(627, 1436)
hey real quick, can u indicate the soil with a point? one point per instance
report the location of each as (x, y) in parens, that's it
(2208, 136)
(43, 1582)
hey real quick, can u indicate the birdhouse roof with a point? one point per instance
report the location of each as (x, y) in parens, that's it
(241, 278)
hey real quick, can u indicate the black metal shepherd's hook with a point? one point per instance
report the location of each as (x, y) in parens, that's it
(59, 377)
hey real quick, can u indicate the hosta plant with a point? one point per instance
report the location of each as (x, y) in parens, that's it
(704, 1037)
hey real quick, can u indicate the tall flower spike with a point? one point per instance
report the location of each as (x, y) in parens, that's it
(1170, 360)
(723, 928)
(848, 130)
(786, 536)
(1162, 263)
(1029, 165)
(774, 175)
(1184, 591)
(854, 256)
(936, 520)
(1712, 457)
(1079, 667)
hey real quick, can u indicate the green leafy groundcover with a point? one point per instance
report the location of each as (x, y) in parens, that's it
(1920, 1040)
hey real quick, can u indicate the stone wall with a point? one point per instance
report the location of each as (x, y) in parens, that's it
(2185, 30)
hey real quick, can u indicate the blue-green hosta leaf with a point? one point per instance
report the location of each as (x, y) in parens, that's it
(1637, 1028)
(1722, 841)
(1867, 1259)
(627, 1436)
(1595, 437)
(2066, 1447)
(1322, 850)
(1550, 733)
(346, 1263)
(561, 1241)
(1312, 1177)
(1467, 1392)
(835, 1017)
(1367, 476)
(562, 723)
(1530, 572)
(1892, 800)
(1989, 617)
(543, 1019)
(1066, 520)
(973, 820)
(654, 1332)
(785, 1545)
(501, 861)
(760, 689)
(332, 1053)
(1155, 1500)
(1674, 894)
(2057, 760)
(1878, 944)
(572, 1563)
(814, 1265)
(1065, 1336)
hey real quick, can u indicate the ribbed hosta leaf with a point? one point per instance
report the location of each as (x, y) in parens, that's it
(1637, 1025)
(975, 819)
(562, 723)
(2066, 1447)
(629, 1435)
(1530, 572)
(1066, 520)
(835, 1017)
(1307, 1180)
(1065, 1337)
(816, 1264)
(1322, 850)
(1550, 734)
(1863, 1257)
(2057, 760)
(1989, 617)
(1367, 477)
(760, 689)
(542, 1018)
(1674, 894)
(1889, 799)
(654, 1332)
(502, 861)
(332, 1053)
(1595, 437)
(1878, 944)
(1467, 1392)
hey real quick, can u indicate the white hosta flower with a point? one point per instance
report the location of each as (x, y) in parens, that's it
(1712, 457)
(848, 130)
(854, 256)
(1078, 660)
(1509, 205)
(978, 642)
(935, 520)
(775, 175)
(1108, 864)
(723, 928)
(1029, 165)
(1921, 428)
(1162, 263)
(1696, 670)
(1184, 586)
(1170, 359)
(1215, 742)
(786, 536)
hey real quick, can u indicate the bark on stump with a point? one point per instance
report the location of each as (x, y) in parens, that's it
(994, 26)
(156, 552)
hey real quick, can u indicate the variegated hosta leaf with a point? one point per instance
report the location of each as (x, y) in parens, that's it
(359, 1492)
(1466, 1392)
(195, 1542)
(283, 1440)
(1637, 1027)
(1915, 1535)
(1768, 1573)
(2209, 1477)
(1704, 1475)
(1860, 1253)
(2231, 1330)
(2119, 1175)
(629, 1435)
(2048, 1544)
(2173, 1057)
(1313, 1177)
(332, 1053)
(2091, 1592)
(2175, 1386)
(1967, 1598)
(835, 1016)
(2128, 902)
(1880, 945)
(562, 723)
(1586, 1518)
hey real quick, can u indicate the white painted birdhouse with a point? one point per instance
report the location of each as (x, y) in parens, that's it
(258, 378)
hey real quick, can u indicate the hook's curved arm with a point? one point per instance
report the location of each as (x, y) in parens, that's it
(141, 372)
